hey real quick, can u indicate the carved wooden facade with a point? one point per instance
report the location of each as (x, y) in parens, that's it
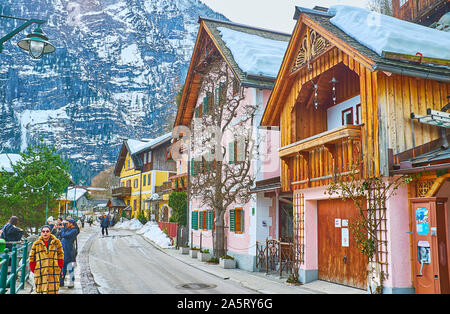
(311, 153)
(424, 12)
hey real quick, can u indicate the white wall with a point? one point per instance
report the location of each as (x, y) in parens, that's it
(334, 114)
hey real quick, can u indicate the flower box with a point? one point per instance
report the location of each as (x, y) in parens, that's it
(204, 257)
(193, 253)
(227, 263)
(184, 250)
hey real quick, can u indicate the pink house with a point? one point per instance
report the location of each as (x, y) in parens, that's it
(251, 57)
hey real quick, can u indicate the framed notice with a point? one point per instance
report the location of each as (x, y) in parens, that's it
(345, 237)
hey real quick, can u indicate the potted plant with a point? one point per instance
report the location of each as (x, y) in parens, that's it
(227, 261)
(184, 249)
(193, 252)
(204, 255)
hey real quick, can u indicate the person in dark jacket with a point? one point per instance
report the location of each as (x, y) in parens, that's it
(104, 223)
(11, 233)
(69, 243)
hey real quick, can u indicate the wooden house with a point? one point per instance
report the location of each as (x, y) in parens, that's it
(424, 12)
(339, 105)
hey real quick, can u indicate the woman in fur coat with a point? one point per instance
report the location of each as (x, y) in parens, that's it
(46, 262)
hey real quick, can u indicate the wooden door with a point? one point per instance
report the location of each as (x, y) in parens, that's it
(339, 259)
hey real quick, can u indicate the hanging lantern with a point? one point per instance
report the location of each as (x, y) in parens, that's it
(334, 82)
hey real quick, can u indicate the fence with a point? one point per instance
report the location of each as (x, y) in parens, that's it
(171, 228)
(9, 275)
(275, 256)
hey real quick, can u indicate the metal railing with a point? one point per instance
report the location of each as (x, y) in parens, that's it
(9, 275)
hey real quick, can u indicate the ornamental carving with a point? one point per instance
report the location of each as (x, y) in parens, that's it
(312, 45)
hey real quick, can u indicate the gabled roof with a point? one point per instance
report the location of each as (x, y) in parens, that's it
(349, 42)
(253, 55)
(135, 147)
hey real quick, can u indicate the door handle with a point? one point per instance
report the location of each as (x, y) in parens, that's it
(345, 260)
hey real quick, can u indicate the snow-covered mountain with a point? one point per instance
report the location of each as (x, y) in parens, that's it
(114, 75)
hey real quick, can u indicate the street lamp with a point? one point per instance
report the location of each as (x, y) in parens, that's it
(36, 43)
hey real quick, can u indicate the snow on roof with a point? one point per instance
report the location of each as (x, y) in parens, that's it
(72, 192)
(254, 54)
(7, 160)
(136, 146)
(380, 33)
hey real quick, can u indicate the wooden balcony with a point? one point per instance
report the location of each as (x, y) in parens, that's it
(166, 187)
(325, 138)
(317, 160)
(121, 192)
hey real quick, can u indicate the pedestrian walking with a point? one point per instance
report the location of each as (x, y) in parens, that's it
(69, 243)
(46, 261)
(56, 231)
(10, 232)
(104, 223)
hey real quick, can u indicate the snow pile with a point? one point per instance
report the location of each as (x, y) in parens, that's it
(254, 54)
(133, 224)
(152, 232)
(380, 33)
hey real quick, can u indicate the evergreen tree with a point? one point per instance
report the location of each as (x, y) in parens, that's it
(37, 180)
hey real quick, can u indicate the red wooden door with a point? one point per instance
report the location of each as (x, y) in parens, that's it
(339, 259)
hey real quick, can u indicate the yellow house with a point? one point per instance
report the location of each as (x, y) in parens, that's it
(142, 166)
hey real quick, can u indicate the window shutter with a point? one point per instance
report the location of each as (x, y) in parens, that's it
(205, 105)
(242, 220)
(240, 147)
(200, 220)
(195, 220)
(221, 92)
(210, 219)
(196, 112)
(232, 222)
(231, 152)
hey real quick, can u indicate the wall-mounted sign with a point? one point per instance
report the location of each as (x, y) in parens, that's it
(337, 222)
(422, 221)
(345, 237)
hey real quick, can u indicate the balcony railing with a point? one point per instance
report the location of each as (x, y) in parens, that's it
(121, 192)
(165, 187)
(318, 159)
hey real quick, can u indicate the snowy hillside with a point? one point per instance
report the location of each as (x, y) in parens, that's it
(113, 75)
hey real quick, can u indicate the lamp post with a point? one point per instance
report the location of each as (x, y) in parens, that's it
(36, 43)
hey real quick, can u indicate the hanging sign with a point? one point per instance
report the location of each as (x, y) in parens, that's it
(345, 239)
(422, 221)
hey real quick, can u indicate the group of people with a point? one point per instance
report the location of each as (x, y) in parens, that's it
(54, 253)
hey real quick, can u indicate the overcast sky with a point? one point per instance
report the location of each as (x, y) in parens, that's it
(271, 14)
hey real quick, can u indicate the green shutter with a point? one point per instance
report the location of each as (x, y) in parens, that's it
(232, 225)
(205, 104)
(200, 220)
(195, 220)
(197, 112)
(240, 154)
(231, 152)
(193, 173)
(210, 220)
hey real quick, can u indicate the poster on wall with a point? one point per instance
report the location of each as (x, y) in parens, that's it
(422, 221)
(345, 240)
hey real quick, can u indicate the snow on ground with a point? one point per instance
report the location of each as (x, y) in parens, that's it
(150, 230)
(385, 33)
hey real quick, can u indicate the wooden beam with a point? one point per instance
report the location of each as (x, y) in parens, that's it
(437, 185)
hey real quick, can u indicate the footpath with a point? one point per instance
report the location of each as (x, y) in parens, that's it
(256, 281)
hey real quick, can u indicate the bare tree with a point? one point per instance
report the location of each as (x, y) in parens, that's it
(222, 128)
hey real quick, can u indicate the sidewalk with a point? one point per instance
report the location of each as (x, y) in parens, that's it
(259, 282)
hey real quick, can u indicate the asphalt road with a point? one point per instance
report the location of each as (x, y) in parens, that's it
(124, 262)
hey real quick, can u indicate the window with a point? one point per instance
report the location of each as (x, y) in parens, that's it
(145, 158)
(149, 179)
(236, 151)
(134, 205)
(144, 181)
(128, 183)
(149, 157)
(128, 164)
(237, 220)
(135, 183)
(347, 116)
